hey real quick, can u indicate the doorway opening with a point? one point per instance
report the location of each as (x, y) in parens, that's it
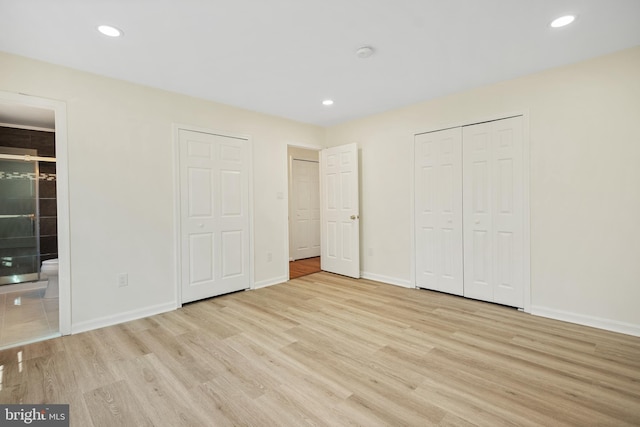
(34, 239)
(304, 211)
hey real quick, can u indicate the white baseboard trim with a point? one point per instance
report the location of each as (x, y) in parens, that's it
(387, 280)
(269, 282)
(121, 317)
(581, 319)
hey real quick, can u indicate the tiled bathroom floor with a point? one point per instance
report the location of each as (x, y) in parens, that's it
(26, 316)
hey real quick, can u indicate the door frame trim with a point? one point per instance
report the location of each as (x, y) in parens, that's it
(62, 188)
(526, 193)
(177, 195)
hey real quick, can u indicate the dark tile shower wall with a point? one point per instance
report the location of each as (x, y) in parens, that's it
(44, 143)
(48, 212)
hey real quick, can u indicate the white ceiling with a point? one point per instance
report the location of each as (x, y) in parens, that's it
(283, 57)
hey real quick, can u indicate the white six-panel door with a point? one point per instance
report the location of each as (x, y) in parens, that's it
(306, 208)
(438, 210)
(214, 217)
(493, 211)
(340, 224)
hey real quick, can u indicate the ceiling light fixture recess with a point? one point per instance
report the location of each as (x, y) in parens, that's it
(110, 31)
(364, 52)
(327, 102)
(562, 21)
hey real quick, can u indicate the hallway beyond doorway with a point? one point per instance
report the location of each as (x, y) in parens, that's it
(303, 267)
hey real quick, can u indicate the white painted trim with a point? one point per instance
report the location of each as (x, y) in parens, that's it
(252, 246)
(388, 280)
(27, 127)
(526, 161)
(127, 316)
(177, 127)
(290, 232)
(581, 319)
(177, 229)
(306, 146)
(271, 282)
(526, 221)
(413, 277)
(482, 119)
(62, 188)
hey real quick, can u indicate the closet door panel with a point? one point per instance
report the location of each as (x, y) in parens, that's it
(508, 216)
(493, 211)
(439, 211)
(477, 220)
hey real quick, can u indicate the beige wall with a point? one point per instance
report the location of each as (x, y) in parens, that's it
(121, 163)
(585, 183)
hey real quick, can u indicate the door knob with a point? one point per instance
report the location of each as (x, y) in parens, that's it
(355, 216)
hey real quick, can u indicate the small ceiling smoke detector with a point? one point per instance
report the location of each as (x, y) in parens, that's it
(110, 31)
(562, 21)
(364, 52)
(327, 102)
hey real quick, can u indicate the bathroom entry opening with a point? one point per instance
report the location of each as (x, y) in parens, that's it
(27, 208)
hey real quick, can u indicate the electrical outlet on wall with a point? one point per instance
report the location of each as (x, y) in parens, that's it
(123, 280)
(269, 257)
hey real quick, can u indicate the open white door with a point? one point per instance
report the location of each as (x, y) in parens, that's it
(214, 214)
(340, 218)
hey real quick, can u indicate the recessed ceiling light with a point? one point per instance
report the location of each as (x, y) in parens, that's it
(562, 21)
(327, 102)
(110, 31)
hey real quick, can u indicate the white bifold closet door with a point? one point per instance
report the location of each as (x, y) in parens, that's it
(493, 218)
(469, 211)
(438, 210)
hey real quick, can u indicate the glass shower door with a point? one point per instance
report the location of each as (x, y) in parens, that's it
(19, 242)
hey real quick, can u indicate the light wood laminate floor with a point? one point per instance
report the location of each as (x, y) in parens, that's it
(328, 350)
